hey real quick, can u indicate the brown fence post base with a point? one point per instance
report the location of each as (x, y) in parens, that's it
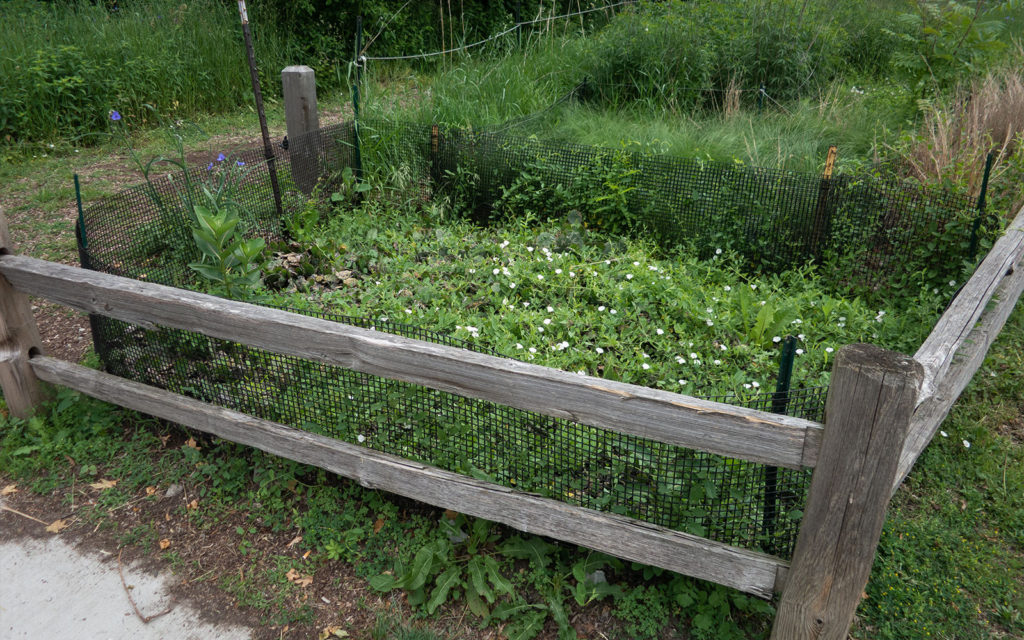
(19, 340)
(870, 401)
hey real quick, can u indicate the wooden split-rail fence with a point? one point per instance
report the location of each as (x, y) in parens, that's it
(882, 410)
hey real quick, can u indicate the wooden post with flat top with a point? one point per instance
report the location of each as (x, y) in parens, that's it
(867, 415)
(19, 340)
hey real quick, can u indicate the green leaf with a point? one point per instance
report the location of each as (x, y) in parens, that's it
(527, 626)
(383, 582)
(477, 606)
(501, 584)
(533, 549)
(207, 271)
(418, 573)
(443, 586)
(476, 570)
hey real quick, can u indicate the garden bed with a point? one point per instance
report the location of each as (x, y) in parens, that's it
(561, 288)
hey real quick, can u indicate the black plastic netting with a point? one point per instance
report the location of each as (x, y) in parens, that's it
(144, 233)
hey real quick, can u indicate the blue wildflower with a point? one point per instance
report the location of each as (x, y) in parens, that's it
(209, 167)
(240, 163)
(115, 116)
(221, 158)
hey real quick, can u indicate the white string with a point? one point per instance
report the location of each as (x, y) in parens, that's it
(517, 25)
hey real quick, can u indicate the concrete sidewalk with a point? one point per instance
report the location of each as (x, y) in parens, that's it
(48, 589)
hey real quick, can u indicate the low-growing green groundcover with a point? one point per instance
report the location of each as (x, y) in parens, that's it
(555, 293)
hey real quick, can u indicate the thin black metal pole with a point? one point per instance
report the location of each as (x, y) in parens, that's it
(981, 204)
(359, 50)
(83, 243)
(268, 149)
(780, 403)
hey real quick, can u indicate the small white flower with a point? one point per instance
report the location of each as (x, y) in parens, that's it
(581, 372)
(503, 244)
(693, 356)
(519, 345)
(746, 385)
(717, 362)
(952, 283)
(607, 261)
(756, 384)
(776, 339)
(540, 277)
(943, 434)
(709, 310)
(753, 287)
(652, 268)
(551, 309)
(530, 249)
(967, 445)
(723, 347)
(496, 271)
(472, 270)
(599, 350)
(408, 310)
(540, 329)
(572, 275)
(533, 350)
(644, 355)
(682, 383)
(660, 332)
(601, 308)
(829, 349)
(709, 322)
(646, 366)
(799, 336)
(557, 271)
(799, 352)
(629, 276)
(613, 312)
(718, 252)
(636, 264)
(361, 438)
(547, 320)
(728, 288)
(511, 285)
(526, 304)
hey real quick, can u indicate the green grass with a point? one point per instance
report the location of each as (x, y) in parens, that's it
(952, 552)
(65, 66)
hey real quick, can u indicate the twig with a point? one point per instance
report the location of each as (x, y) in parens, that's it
(145, 619)
(4, 507)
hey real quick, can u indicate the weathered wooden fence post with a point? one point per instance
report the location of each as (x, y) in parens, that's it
(19, 338)
(867, 415)
(301, 116)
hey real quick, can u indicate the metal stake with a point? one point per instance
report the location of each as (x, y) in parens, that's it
(268, 149)
(981, 204)
(780, 403)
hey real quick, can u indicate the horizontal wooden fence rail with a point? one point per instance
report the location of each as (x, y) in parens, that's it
(956, 347)
(663, 416)
(749, 571)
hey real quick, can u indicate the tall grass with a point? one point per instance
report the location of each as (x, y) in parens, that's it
(516, 89)
(65, 65)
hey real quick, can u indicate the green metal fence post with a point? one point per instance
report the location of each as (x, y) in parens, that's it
(780, 403)
(981, 205)
(760, 99)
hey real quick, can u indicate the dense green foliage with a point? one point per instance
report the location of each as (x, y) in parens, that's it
(65, 66)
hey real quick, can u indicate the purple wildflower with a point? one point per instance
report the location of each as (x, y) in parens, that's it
(221, 158)
(240, 163)
(209, 167)
(115, 116)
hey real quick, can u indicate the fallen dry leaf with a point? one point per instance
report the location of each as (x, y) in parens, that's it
(377, 526)
(298, 579)
(164, 439)
(57, 525)
(165, 543)
(191, 442)
(193, 505)
(103, 484)
(296, 540)
(9, 489)
(306, 555)
(451, 515)
(150, 491)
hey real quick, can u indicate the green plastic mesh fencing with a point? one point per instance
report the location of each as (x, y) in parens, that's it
(776, 218)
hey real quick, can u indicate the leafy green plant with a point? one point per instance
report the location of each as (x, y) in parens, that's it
(229, 261)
